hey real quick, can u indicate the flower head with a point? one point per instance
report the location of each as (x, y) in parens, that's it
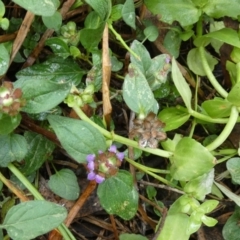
(104, 164)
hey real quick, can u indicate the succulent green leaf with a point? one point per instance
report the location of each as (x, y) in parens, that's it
(190, 160)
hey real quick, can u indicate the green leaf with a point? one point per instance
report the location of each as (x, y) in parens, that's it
(229, 194)
(173, 118)
(201, 186)
(4, 59)
(54, 21)
(151, 33)
(13, 147)
(233, 166)
(172, 43)
(221, 8)
(190, 160)
(208, 221)
(30, 219)
(116, 12)
(136, 91)
(183, 11)
(217, 107)
(195, 64)
(39, 7)
(174, 227)
(157, 73)
(77, 137)
(231, 228)
(42, 95)
(128, 13)
(144, 62)
(225, 35)
(151, 192)
(64, 183)
(58, 46)
(128, 236)
(118, 196)
(181, 85)
(208, 206)
(39, 150)
(2, 9)
(234, 96)
(56, 69)
(103, 8)
(8, 123)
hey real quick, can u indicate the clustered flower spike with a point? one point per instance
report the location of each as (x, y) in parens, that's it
(104, 164)
(10, 99)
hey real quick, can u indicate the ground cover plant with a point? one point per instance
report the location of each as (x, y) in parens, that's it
(127, 108)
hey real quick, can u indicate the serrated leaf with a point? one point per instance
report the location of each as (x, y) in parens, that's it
(39, 7)
(13, 147)
(221, 8)
(234, 96)
(77, 137)
(54, 21)
(56, 69)
(136, 91)
(58, 46)
(30, 219)
(181, 85)
(183, 11)
(217, 107)
(8, 123)
(190, 160)
(195, 63)
(64, 183)
(41, 94)
(39, 150)
(118, 196)
(144, 62)
(233, 166)
(173, 118)
(4, 59)
(128, 13)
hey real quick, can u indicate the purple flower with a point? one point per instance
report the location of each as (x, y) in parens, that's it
(112, 149)
(91, 175)
(120, 155)
(90, 157)
(99, 179)
(91, 165)
(168, 59)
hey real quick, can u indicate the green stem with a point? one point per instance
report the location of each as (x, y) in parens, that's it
(210, 75)
(226, 131)
(144, 169)
(119, 38)
(118, 138)
(199, 27)
(238, 72)
(62, 229)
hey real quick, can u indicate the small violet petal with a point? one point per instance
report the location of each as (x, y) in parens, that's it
(99, 179)
(120, 155)
(91, 176)
(100, 152)
(90, 157)
(112, 149)
(90, 166)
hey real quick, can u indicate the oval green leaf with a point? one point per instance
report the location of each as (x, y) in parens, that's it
(118, 196)
(8, 124)
(4, 59)
(234, 96)
(64, 183)
(233, 166)
(77, 137)
(30, 219)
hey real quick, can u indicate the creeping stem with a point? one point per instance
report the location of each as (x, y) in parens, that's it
(118, 138)
(210, 75)
(226, 131)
